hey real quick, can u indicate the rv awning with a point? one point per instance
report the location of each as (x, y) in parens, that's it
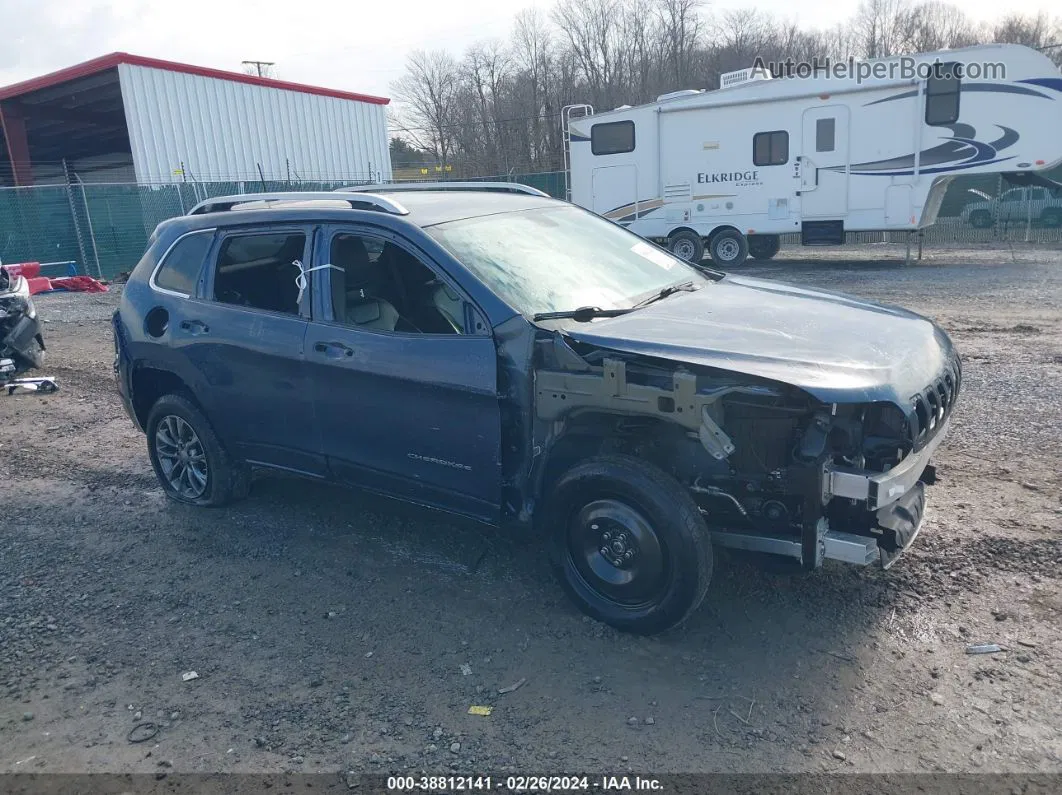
(1024, 178)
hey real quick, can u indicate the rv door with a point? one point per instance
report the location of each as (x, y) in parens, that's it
(824, 162)
(615, 191)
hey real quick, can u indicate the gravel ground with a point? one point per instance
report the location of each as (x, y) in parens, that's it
(332, 631)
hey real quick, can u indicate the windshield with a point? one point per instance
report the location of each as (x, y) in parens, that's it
(560, 258)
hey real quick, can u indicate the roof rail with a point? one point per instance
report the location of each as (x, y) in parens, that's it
(497, 187)
(364, 201)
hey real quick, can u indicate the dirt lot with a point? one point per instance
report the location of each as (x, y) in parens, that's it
(329, 629)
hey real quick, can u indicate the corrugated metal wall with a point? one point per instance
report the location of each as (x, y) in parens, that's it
(222, 130)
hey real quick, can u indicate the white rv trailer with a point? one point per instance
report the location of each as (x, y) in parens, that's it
(730, 170)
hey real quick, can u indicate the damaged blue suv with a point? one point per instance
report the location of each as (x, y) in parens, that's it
(487, 350)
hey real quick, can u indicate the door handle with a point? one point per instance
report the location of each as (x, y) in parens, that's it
(333, 349)
(195, 327)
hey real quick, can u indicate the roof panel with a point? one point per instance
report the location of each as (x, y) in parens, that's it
(105, 62)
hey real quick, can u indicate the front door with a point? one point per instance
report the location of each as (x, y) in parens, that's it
(824, 163)
(404, 375)
(242, 338)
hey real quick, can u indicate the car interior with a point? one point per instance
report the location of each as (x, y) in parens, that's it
(259, 271)
(378, 285)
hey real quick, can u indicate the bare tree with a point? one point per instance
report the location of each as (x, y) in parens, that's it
(428, 90)
(937, 25)
(680, 27)
(883, 27)
(497, 108)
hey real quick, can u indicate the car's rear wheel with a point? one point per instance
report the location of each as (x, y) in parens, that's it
(628, 544)
(686, 245)
(1051, 217)
(729, 248)
(980, 219)
(189, 461)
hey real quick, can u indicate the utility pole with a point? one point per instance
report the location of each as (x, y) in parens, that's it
(258, 65)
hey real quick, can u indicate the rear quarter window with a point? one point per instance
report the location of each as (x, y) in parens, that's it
(182, 264)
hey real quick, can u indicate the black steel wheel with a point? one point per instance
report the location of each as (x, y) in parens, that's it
(980, 219)
(628, 544)
(189, 461)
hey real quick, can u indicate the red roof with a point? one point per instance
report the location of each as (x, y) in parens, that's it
(105, 62)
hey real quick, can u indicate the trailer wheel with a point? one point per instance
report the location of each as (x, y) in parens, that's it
(764, 246)
(686, 245)
(980, 219)
(729, 248)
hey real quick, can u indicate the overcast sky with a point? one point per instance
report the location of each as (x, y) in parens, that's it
(357, 45)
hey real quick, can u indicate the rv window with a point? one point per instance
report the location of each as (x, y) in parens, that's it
(824, 134)
(942, 94)
(613, 138)
(770, 148)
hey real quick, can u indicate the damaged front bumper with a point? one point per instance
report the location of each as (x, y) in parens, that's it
(896, 498)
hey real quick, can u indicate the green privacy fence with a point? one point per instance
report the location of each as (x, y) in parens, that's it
(104, 228)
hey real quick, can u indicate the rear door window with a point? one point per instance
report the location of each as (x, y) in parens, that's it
(260, 270)
(180, 267)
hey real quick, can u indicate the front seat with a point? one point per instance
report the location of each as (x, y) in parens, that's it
(356, 286)
(450, 306)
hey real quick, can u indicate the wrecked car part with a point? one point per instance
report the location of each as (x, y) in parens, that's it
(21, 344)
(558, 393)
(790, 465)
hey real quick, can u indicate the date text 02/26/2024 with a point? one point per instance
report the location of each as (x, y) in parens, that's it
(530, 784)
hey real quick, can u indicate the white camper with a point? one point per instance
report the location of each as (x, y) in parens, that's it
(859, 146)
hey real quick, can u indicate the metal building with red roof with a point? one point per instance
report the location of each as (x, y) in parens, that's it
(128, 118)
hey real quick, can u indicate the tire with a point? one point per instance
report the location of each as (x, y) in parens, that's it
(729, 249)
(648, 517)
(1051, 217)
(980, 219)
(764, 246)
(175, 423)
(686, 245)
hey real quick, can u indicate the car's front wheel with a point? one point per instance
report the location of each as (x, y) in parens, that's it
(189, 461)
(1051, 217)
(628, 544)
(980, 219)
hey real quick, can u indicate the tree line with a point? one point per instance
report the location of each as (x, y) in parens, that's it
(495, 109)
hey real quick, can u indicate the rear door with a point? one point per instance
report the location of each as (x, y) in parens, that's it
(404, 375)
(824, 162)
(242, 336)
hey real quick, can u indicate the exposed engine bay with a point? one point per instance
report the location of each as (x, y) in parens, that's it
(772, 468)
(21, 342)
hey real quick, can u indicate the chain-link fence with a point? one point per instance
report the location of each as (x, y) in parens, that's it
(103, 228)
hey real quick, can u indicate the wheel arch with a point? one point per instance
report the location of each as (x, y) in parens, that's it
(148, 384)
(689, 229)
(586, 433)
(723, 228)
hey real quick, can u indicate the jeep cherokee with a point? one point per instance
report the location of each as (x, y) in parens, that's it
(490, 351)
